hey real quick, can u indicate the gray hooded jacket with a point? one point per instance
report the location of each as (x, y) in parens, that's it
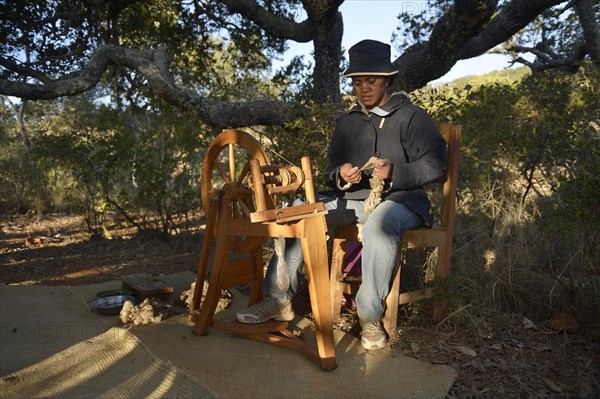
(398, 131)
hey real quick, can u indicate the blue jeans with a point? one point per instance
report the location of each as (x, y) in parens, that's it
(381, 232)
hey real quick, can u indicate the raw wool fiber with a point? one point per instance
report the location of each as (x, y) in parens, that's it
(151, 310)
(375, 196)
(186, 297)
(376, 188)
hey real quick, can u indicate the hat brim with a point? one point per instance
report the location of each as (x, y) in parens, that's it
(349, 74)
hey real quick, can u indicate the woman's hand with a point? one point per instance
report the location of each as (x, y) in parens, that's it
(350, 174)
(382, 168)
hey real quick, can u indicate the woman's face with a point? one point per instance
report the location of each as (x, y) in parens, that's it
(371, 90)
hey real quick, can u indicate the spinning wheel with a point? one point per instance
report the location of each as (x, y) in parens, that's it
(226, 167)
(238, 190)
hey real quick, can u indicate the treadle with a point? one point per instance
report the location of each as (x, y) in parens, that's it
(235, 327)
(274, 333)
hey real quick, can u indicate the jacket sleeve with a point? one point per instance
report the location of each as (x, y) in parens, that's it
(335, 158)
(426, 152)
(339, 154)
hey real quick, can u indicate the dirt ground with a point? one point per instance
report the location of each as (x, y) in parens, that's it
(508, 357)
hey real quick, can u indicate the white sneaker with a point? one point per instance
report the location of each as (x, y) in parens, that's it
(373, 335)
(269, 308)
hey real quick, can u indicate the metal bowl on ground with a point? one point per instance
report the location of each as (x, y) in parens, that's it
(102, 294)
(111, 304)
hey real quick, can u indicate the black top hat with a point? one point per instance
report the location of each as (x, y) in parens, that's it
(370, 57)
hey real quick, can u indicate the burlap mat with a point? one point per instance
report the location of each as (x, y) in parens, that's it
(114, 364)
(232, 367)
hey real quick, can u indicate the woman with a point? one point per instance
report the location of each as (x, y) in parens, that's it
(383, 151)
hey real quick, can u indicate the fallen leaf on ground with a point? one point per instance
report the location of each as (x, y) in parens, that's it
(29, 241)
(552, 385)
(528, 324)
(465, 351)
(562, 322)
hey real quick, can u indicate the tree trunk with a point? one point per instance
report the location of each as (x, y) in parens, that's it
(328, 53)
(591, 29)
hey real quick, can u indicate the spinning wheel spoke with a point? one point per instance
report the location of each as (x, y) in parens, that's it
(232, 162)
(244, 173)
(244, 208)
(222, 172)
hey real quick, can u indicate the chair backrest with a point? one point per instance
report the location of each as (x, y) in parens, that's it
(452, 135)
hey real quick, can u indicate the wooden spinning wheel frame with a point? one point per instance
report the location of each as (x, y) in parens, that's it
(239, 188)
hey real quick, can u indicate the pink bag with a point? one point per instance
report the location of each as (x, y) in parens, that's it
(352, 259)
(352, 267)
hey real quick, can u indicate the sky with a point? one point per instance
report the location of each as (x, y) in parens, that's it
(376, 19)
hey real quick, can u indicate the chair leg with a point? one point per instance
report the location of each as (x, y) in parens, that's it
(336, 275)
(442, 270)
